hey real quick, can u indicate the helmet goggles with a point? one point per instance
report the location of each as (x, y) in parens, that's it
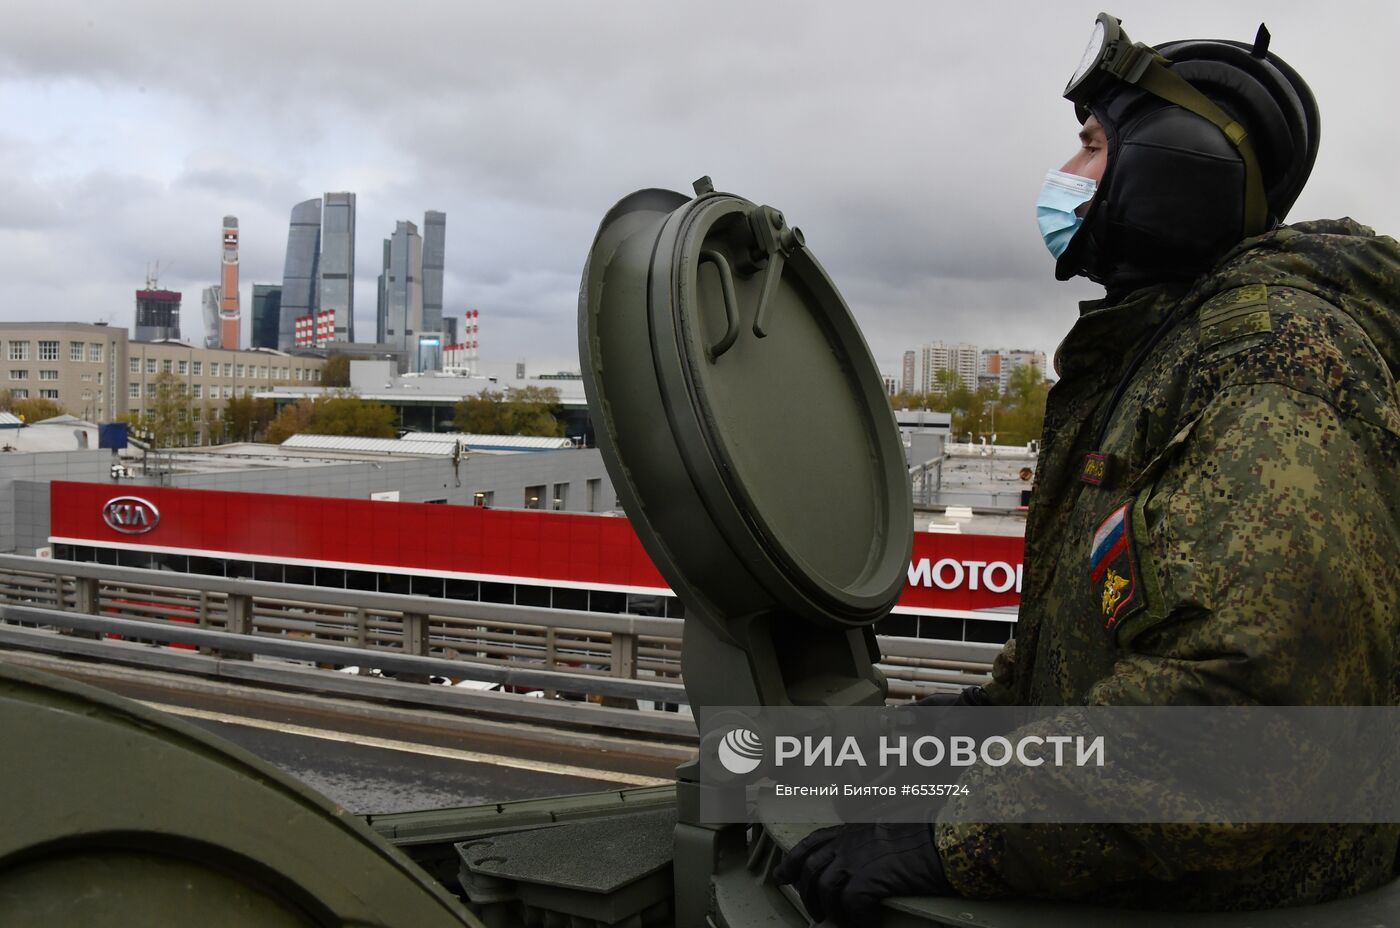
(1112, 58)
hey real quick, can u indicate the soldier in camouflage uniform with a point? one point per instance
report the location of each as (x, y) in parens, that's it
(1216, 518)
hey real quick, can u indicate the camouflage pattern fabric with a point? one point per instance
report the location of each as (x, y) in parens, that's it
(1252, 464)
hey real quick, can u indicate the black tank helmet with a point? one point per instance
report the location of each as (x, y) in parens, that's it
(1209, 142)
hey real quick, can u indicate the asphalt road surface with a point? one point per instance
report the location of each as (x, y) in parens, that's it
(381, 759)
(367, 776)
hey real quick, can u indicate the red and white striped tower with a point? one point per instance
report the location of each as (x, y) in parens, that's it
(471, 338)
(229, 311)
(461, 356)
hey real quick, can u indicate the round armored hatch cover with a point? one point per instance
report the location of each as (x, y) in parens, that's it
(116, 814)
(742, 418)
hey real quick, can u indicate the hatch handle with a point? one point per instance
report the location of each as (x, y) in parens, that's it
(731, 303)
(774, 242)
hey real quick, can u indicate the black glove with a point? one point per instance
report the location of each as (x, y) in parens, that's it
(967, 696)
(843, 872)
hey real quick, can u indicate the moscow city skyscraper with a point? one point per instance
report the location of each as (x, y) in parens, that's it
(319, 273)
(382, 301)
(409, 313)
(434, 255)
(401, 285)
(267, 309)
(338, 262)
(300, 277)
(212, 299)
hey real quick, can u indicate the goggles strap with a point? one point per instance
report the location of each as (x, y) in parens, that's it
(1160, 82)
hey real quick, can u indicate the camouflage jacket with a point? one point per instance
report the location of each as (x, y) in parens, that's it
(1250, 464)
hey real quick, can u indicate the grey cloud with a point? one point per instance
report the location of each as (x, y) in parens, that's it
(28, 204)
(235, 182)
(908, 139)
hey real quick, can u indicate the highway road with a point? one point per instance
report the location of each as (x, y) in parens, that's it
(373, 774)
(380, 758)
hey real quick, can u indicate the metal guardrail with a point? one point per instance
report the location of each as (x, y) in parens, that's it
(616, 657)
(926, 481)
(402, 665)
(549, 714)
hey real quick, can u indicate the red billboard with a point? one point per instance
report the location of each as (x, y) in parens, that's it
(948, 573)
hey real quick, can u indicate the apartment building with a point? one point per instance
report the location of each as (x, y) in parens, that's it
(998, 363)
(962, 360)
(97, 373)
(211, 376)
(79, 365)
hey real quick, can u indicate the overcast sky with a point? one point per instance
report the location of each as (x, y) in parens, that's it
(907, 139)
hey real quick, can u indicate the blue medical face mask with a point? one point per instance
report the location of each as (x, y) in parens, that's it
(1060, 196)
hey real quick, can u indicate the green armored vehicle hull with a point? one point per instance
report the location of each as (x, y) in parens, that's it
(174, 826)
(631, 878)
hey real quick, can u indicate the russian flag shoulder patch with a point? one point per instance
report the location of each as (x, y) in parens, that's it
(1113, 568)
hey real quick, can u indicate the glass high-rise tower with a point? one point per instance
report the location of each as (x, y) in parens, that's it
(338, 262)
(434, 254)
(267, 309)
(320, 271)
(402, 308)
(409, 313)
(300, 277)
(212, 299)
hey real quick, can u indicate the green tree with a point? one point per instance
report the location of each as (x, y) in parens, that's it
(30, 410)
(951, 395)
(166, 417)
(246, 418)
(1014, 417)
(974, 412)
(208, 423)
(294, 419)
(333, 414)
(343, 414)
(1022, 414)
(336, 373)
(526, 411)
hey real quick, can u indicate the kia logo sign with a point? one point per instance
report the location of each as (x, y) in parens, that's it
(130, 515)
